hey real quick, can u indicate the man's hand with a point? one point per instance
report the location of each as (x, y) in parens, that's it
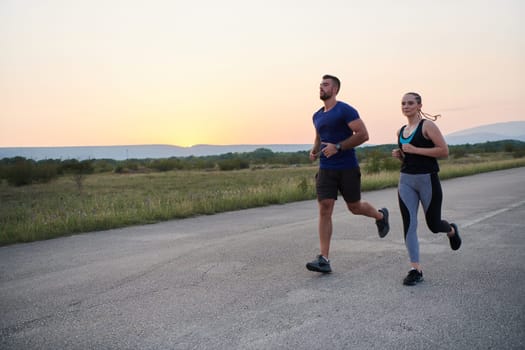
(313, 155)
(329, 149)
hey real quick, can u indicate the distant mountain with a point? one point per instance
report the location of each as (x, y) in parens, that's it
(137, 151)
(492, 132)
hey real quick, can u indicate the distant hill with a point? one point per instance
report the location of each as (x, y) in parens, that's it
(137, 151)
(492, 132)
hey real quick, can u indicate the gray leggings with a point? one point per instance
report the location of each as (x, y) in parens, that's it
(424, 188)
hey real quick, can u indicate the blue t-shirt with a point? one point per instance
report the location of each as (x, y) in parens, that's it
(332, 127)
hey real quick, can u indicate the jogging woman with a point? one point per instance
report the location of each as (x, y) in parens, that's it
(420, 144)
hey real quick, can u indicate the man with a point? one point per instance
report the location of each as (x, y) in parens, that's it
(339, 129)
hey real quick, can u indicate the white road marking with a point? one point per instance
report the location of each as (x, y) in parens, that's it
(492, 214)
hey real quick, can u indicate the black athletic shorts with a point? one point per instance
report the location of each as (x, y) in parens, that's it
(347, 182)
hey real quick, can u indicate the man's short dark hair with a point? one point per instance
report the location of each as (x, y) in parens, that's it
(334, 79)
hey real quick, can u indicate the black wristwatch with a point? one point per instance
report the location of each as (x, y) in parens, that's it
(338, 147)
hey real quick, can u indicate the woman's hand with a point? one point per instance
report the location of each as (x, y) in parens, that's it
(408, 148)
(397, 153)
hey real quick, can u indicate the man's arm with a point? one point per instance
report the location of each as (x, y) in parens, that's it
(314, 152)
(359, 137)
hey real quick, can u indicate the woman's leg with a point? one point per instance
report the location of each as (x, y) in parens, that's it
(432, 199)
(408, 204)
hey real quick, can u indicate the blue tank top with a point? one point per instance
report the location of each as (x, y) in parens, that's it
(415, 163)
(332, 127)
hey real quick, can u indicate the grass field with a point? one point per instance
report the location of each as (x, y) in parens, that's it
(110, 200)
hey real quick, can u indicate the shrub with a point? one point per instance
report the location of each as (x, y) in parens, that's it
(233, 164)
(45, 171)
(390, 164)
(378, 160)
(303, 185)
(165, 164)
(373, 165)
(20, 173)
(458, 152)
(104, 165)
(518, 153)
(119, 169)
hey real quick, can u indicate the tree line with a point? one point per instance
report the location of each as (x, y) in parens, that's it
(19, 171)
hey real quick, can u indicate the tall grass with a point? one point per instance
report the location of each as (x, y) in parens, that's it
(43, 211)
(110, 200)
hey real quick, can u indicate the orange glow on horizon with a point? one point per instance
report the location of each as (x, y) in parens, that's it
(229, 73)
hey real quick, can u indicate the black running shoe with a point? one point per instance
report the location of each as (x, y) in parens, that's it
(455, 241)
(382, 225)
(414, 277)
(320, 264)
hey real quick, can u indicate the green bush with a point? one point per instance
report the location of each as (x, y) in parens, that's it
(73, 166)
(45, 171)
(390, 164)
(376, 161)
(20, 173)
(165, 164)
(233, 164)
(303, 185)
(104, 165)
(128, 166)
(119, 169)
(373, 165)
(518, 153)
(458, 152)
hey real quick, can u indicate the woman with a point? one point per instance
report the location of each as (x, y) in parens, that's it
(420, 144)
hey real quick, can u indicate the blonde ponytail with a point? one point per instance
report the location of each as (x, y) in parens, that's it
(429, 116)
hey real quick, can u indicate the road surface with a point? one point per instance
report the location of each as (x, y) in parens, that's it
(238, 280)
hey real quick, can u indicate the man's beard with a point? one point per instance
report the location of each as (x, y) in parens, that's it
(324, 96)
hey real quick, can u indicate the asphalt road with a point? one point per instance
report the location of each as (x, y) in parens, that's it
(238, 281)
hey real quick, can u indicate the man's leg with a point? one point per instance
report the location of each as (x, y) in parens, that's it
(364, 208)
(350, 188)
(326, 207)
(326, 186)
(321, 262)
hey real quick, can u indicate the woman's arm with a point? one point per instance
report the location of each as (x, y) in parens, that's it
(397, 152)
(431, 132)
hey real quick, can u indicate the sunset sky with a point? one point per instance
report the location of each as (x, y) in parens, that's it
(122, 72)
